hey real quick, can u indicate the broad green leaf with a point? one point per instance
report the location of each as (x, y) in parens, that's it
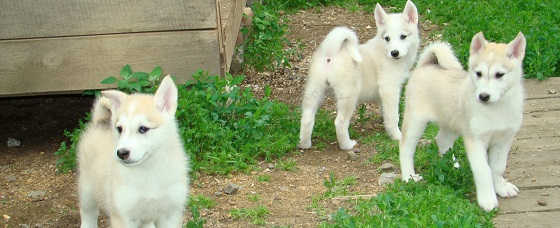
(126, 72)
(155, 74)
(109, 80)
(123, 85)
(140, 76)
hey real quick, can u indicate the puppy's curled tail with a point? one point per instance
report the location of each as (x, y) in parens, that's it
(101, 112)
(440, 54)
(337, 39)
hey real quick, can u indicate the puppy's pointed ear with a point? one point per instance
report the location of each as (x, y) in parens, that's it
(478, 42)
(115, 98)
(380, 16)
(166, 96)
(410, 12)
(516, 48)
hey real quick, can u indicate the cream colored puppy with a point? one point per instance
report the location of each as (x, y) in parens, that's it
(484, 105)
(132, 164)
(373, 71)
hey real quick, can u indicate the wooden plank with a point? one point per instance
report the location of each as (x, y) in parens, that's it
(529, 131)
(232, 30)
(529, 220)
(536, 89)
(537, 144)
(527, 201)
(79, 63)
(54, 18)
(542, 105)
(221, 47)
(536, 176)
(533, 158)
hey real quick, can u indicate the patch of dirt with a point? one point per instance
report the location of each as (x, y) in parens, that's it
(40, 121)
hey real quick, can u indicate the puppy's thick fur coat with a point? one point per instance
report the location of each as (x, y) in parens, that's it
(358, 73)
(483, 105)
(132, 164)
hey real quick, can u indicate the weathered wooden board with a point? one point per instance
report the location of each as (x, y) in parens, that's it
(529, 131)
(527, 201)
(530, 158)
(55, 18)
(533, 106)
(537, 144)
(529, 220)
(77, 63)
(232, 29)
(536, 176)
(536, 89)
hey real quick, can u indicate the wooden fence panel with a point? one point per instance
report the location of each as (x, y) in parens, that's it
(55, 18)
(36, 66)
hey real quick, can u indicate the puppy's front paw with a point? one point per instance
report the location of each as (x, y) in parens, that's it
(413, 177)
(507, 189)
(349, 145)
(488, 203)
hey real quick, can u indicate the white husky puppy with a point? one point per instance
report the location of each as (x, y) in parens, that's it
(484, 105)
(131, 161)
(373, 71)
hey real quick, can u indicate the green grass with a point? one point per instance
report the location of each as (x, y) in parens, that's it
(287, 165)
(500, 20)
(256, 215)
(254, 198)
(201, 201)
(263, 178)
(413, 205)
(428, 203)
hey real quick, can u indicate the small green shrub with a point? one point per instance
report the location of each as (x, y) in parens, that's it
(229, 129)
(266, 45)
(66, 153)
(136, 82)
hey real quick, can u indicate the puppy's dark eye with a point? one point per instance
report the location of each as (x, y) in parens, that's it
(403, 37)
(479, 74)
(387, 39)
(499, 74)
(119, 129)
(143, 129)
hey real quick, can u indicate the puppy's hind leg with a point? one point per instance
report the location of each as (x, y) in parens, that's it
(312, 97)
(445, 139)
(413, 127)
(346, 101)
(497, 158)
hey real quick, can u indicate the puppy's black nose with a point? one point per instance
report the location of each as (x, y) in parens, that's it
(395, 53)
(123, 153)
(484, 97)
